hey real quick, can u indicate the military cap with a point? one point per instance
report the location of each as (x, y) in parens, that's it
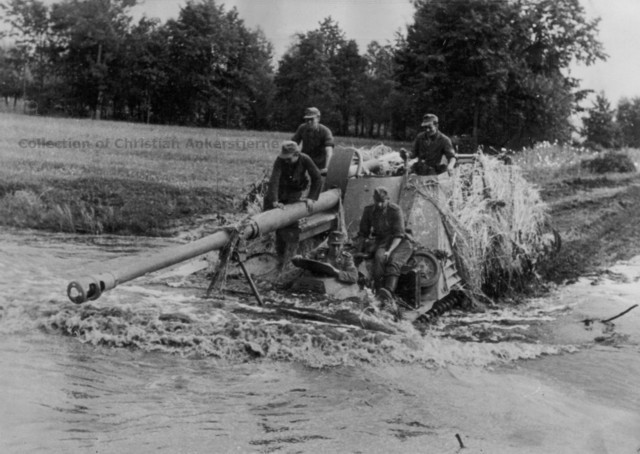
(380, 194)
(289, 148)
(429, 118)
(311, 112)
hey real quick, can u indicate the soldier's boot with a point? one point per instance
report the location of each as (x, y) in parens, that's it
(390, 283)
(386, 293)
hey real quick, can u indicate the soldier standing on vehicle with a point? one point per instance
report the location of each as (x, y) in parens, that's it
(429, 147)
(316, 138)
(392, 246)
(294, 178)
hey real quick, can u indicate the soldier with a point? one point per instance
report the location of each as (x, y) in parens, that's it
(392, 246)
(293, 174)
(334, 254)
(316, 138)
(429, 147)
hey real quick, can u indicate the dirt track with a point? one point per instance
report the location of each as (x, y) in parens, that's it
(599, 221)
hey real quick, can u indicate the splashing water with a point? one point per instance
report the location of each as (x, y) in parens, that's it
(231, 329)
(162, 369)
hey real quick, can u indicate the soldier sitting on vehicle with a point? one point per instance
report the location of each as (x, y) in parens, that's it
(330, 259)
(392, 247)
(430, 147)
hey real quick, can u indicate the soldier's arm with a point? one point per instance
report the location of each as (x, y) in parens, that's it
(451, 165)
(329, 154)
(328, 147)
(447, 148)
(314, 175)
(394, 244)
(450, 153)
(271, 197)
(348, 272)
(297, 137)
(396, 221)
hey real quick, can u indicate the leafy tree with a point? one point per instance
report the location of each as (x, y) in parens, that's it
(348, 70)
(204, 68)
(495, 69)
(11, 74)
(89, 37)
(220, 72)
(600, 129)
(322, 69)
(628, 119)
(304, 76)
(382, 102)
(29, 22)
(143, 71)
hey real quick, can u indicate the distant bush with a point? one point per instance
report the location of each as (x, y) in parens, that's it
(21, 208)
(609, 162)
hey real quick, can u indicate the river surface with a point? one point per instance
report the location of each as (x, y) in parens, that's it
(152, 367)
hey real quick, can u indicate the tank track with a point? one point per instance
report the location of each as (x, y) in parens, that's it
(455, 298)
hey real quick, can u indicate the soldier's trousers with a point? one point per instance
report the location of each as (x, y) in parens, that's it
(397, 259)
(284, 249)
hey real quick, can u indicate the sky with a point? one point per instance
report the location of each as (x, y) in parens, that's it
(362, 20)
(368, 20)
(619, 32)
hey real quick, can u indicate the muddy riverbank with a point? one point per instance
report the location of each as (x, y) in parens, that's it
(597, 218)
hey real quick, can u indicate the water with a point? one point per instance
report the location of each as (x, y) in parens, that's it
(154, 368)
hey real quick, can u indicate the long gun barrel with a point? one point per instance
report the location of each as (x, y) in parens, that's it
(91, 287)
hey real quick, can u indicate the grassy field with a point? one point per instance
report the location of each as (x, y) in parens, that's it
(114, 177)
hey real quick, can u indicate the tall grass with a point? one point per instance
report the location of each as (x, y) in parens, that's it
(500, 221)
(547, 162)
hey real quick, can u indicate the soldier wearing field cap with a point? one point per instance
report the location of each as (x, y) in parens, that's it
(383, 221)
(316, 139)
(293, 173)
(429, 147)
(294, 178)
(333, 253)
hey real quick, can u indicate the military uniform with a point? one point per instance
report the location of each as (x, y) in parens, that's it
(315, 139)
(287, 184)
(385, 225)
(343, 262)
(288, 181)
(429, 151)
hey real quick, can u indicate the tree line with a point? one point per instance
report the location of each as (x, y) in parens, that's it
(495, 70)
(606, 127)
